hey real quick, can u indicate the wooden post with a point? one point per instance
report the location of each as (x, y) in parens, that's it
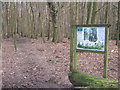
(106, 43)
(73, 56)
(105, 73)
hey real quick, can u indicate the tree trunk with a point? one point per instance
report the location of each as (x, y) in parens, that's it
(83, 12)
(94, 13)
(53, 12)
(14, 17)
(106, 13)
(48, 34)
(77, 12)
(89, 12)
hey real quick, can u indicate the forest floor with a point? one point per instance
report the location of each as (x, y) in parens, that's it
(46, 65)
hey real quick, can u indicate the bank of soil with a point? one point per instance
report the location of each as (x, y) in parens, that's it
(46, 65)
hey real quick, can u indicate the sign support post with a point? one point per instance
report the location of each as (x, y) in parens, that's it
(105, 73)
(73, 55)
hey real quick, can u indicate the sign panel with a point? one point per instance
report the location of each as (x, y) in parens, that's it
(91, 38)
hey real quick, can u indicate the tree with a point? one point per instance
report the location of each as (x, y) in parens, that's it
(89, 12)
(83, 12)
(48, 34)
(77, 12)
(49, 19)
(53, 12)
(15, 25)
(106, 12)
(94, 13)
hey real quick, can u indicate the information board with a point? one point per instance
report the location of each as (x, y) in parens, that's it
(91, 38)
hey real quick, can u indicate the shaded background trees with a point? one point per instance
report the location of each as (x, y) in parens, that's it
(52, 20)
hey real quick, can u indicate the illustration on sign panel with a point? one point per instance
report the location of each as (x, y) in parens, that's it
(91, 38)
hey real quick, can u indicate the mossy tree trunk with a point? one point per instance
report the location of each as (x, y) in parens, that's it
(53, 12)
(55, 32)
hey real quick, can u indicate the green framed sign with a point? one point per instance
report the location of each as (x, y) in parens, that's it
(89, 38)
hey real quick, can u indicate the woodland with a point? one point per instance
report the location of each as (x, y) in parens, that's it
(36, 49)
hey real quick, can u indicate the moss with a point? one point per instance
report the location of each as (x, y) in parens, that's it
(82, 79)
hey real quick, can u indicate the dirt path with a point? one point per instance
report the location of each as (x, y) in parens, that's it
(46, 65)
(35, 65)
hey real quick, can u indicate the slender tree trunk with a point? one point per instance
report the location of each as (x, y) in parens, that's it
(48, 34)
(106, 12)
(94, 13)
(33, 21)
(21, 20)
(77, 12)
(27, 20)
(83, 12)
(5, 19)
(55, 31)
(89, 12)
(9, 20)
(14, 25)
